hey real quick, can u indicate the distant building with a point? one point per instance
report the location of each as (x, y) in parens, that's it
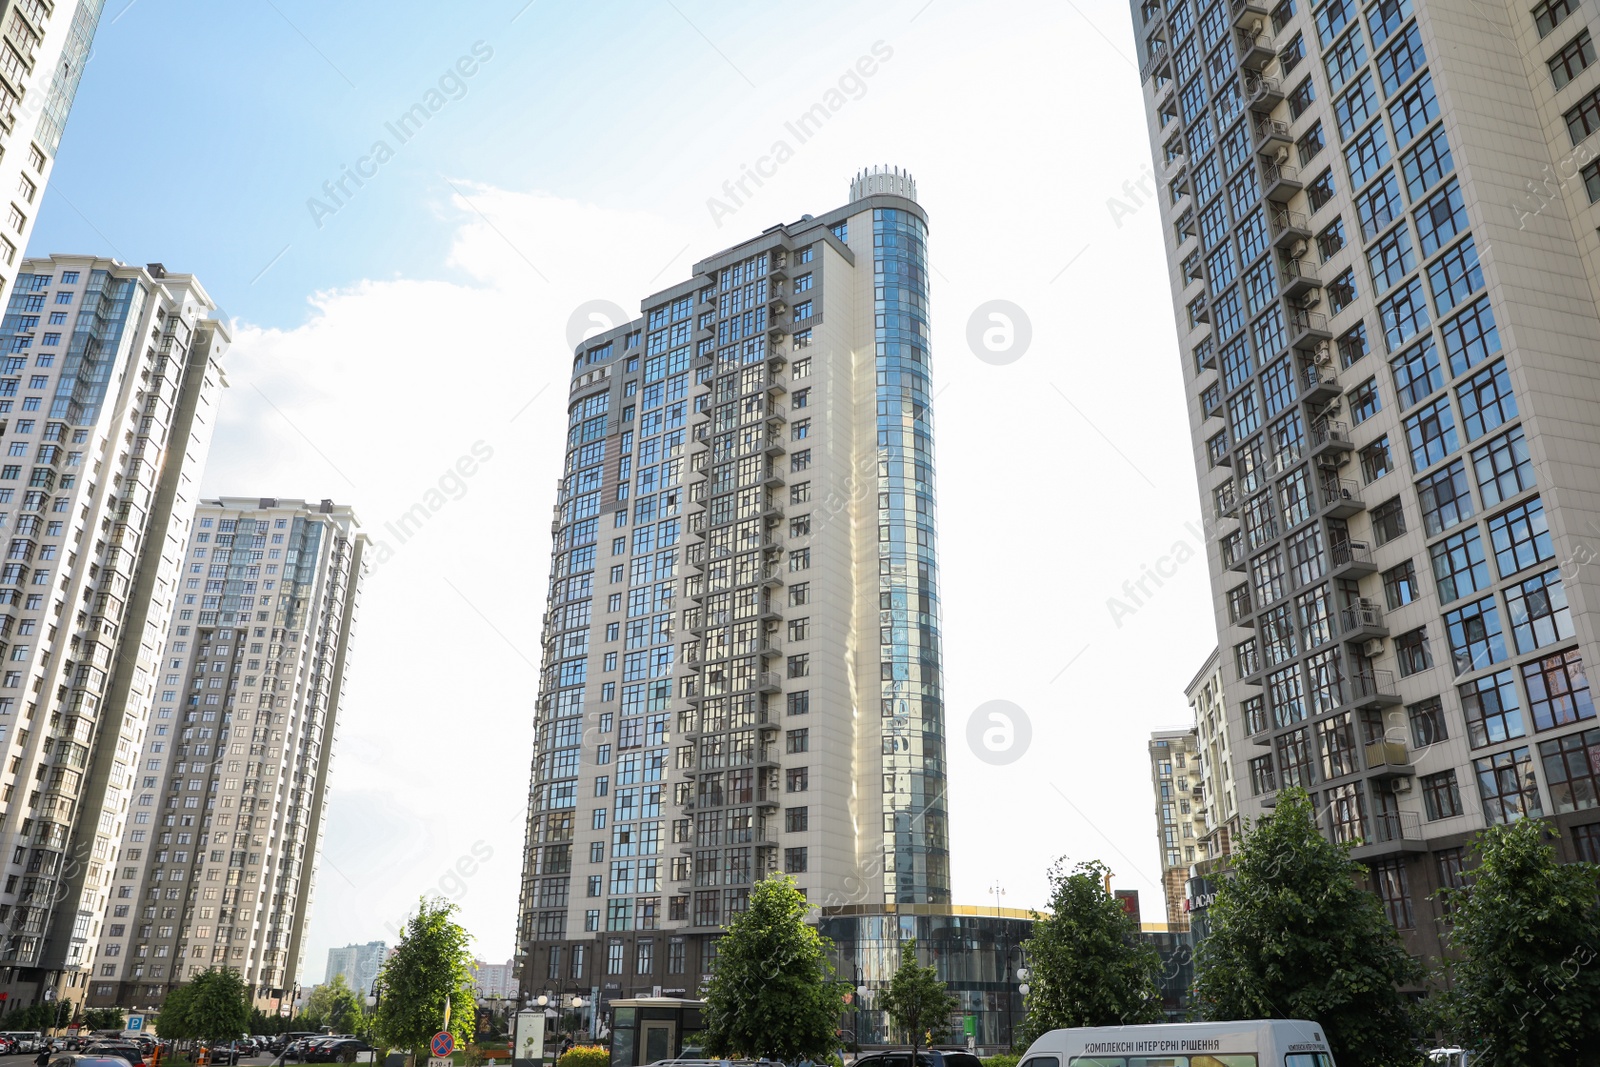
(358, 963)
(1175, 777)
(495, 979)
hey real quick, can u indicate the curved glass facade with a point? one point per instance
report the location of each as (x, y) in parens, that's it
(912, 693)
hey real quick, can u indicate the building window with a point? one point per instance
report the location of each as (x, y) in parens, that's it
(1389, 882)
(1364, 401)
(1508, 787)
(1331, 239)
(1521, 538)
(1548, 15)
(1388, 521)
(1491, 709)
(1572, 60)
(1375, 460)
(1572, 770)
(1427, 722)
(675, 947)
(1445, 498)
(797, 741)
(799, 703)
(1441, 796)
(1459, 566)
(797, 779)
(1320, 191)
(1503, 467)
(1539, 612)
(1586, 842)
(1476, 640)
(794, 861)
(799, 666)
(1400, 585)
(1558, 691)
(1411, 652)
(614, 953)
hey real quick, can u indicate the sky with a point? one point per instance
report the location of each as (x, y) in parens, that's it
(392, 333)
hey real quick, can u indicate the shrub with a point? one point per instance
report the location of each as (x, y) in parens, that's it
(1004, 1059)
(585, 1056)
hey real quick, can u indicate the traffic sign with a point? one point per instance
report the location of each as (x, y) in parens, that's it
(443, 1043)
(135, 1022)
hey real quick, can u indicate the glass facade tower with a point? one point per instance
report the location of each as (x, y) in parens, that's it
(741, 652)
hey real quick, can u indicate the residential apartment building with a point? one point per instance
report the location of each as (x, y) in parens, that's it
(108, 394)
(1180, 816)
(1218, 825)
(495, 981)
(359, 964)
(741, 648)
(218, 862)
(43, 49)
(1386, 275)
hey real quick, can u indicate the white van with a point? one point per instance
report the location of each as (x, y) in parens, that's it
(1251, 1043)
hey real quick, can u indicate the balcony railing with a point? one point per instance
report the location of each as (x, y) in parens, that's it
(1340, 492)
(1397, 826)
(1349, 553)
(1361, 619)
(1330, 434)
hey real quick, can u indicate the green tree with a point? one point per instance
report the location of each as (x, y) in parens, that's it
(212, 1006)
(1526, 931)
(916, 1000)
(432, 966)
(772, 991)
(104, 1019)
(335, 1005)
(1294, 936)
(1087, 965)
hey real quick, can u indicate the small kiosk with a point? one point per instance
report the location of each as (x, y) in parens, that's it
(647, 1029)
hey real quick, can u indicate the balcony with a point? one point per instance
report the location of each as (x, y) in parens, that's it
(1389, 759)
(1330, 438)
(1306, 328)
(1239, 610)
(1245, 12)
(1228, 504)
(1280, 181)
(1157, 60)
(1233, 553)
(1340, 497)
(1255, 49)
(1391, 832)
(1271, 135)
(1351, 559)
(1259, 90)
(1373, 689)
(1318, 384)
(1287, 227)
(1298, 278)
(1362, 622)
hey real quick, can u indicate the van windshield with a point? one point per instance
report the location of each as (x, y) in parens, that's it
(1243, 1059)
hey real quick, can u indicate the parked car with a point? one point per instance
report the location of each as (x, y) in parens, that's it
(338, 1050)
(7, 1046)
(126, 1051)
(228, 1054)
(86, 1059)
(925, 1058)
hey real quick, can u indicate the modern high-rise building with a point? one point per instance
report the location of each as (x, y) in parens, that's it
(359, 964)
(108, 392)
(741, 648)
(43, 49)
(1380, 223)
(1180, 817)
(495, 981)
(218, 860)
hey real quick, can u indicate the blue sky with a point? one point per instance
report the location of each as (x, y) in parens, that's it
(428, 316)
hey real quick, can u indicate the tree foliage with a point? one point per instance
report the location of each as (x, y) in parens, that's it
(104, 1019)
(1527, 934)
(917, 1002)
(212, 1006)
(1087, 965)
(432, 964)
(1294, 936)
(336, 1006)
(772, 991)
